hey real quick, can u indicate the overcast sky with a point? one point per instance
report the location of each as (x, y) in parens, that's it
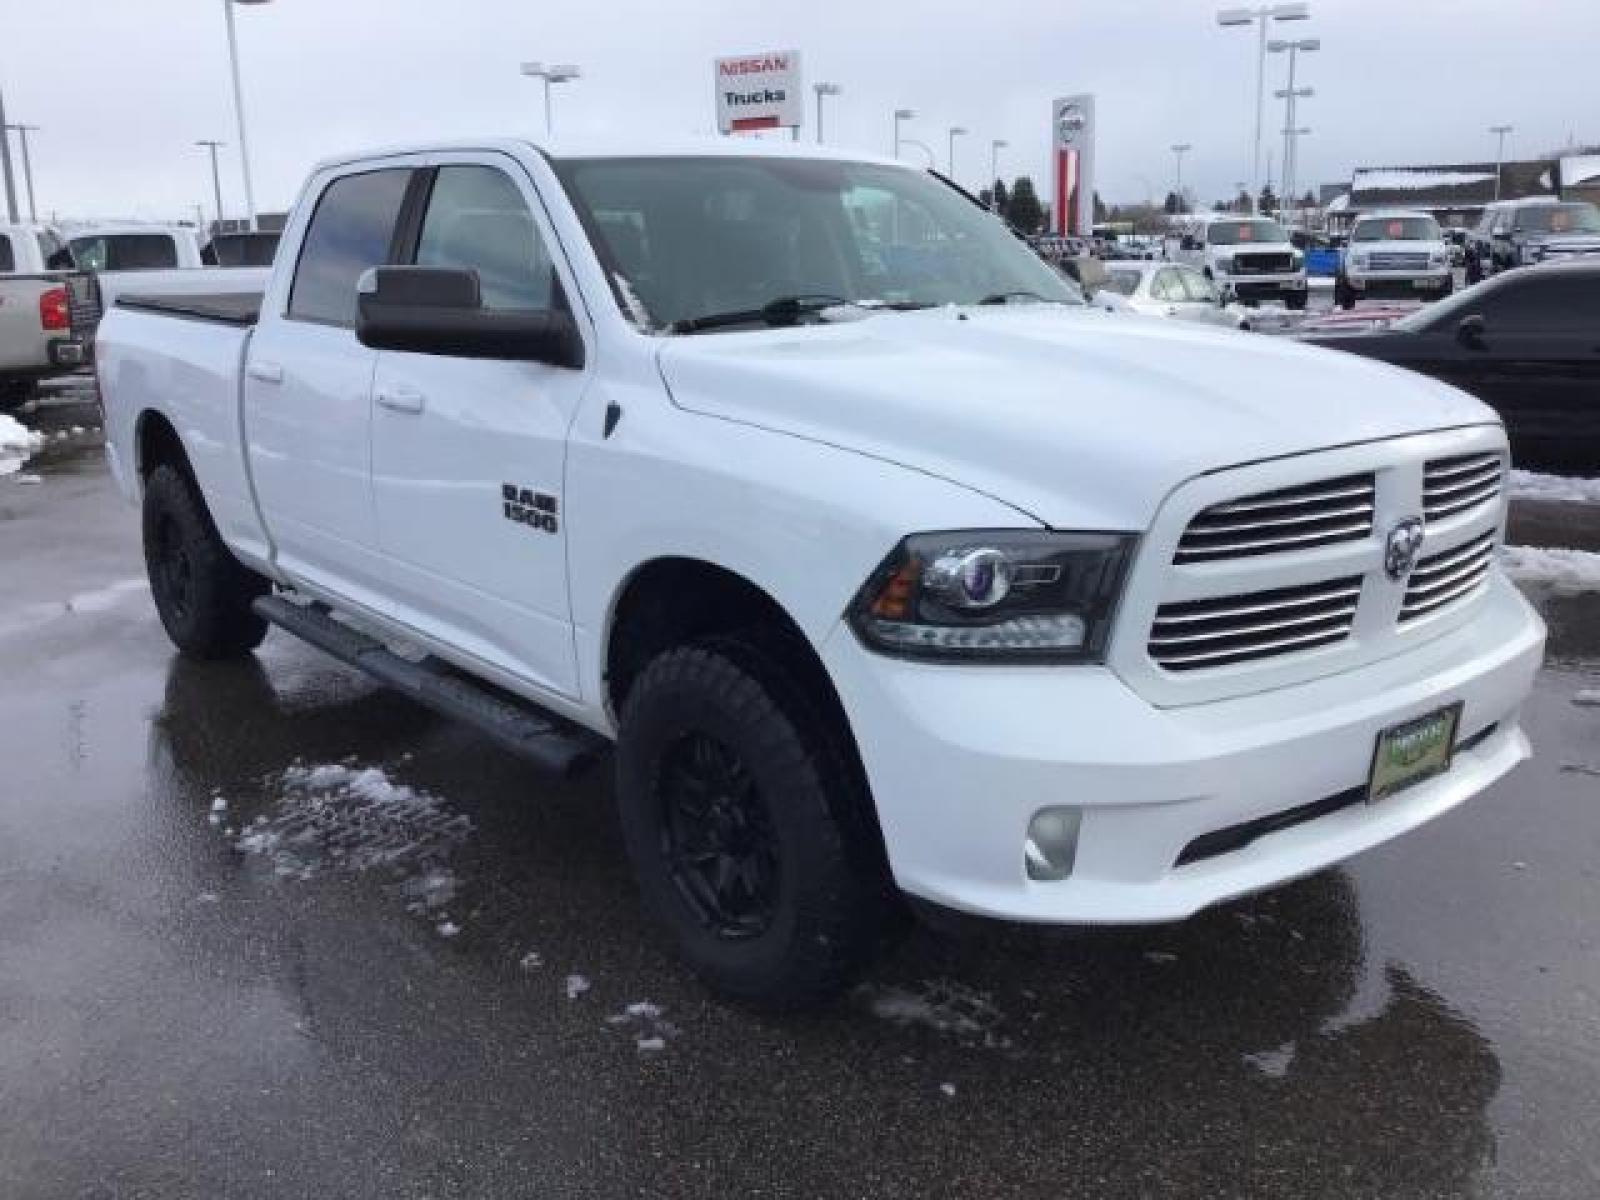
(122, 88)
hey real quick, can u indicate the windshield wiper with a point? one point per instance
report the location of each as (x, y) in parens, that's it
(1008, 297)
(785, 310)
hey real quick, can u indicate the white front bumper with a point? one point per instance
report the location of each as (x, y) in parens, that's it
(960, 758)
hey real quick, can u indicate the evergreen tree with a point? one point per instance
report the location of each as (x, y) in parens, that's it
(1269, 200)
(1002, 199)
(1024, 210)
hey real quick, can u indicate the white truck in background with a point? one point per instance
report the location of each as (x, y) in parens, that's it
(156, 258)
(1251, 259)
(888, 567)
(41, 310)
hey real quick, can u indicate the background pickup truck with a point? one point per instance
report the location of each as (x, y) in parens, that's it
(47, 310)
(891, 569)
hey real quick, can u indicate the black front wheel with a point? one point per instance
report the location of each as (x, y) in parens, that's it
(748, 825)
(202, 593)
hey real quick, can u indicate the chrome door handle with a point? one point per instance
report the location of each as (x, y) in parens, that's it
(266, 372)
(400, 399)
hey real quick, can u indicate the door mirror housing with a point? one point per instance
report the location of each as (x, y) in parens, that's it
(439, 310)
(1471, 330)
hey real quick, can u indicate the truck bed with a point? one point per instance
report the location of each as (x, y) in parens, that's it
(227, 308)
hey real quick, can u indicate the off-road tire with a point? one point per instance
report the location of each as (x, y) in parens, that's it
(835, 905)
(201, 591)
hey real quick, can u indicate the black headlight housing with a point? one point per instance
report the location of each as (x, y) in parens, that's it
(1006, 596)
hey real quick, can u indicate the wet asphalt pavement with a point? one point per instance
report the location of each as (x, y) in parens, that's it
(225, 972)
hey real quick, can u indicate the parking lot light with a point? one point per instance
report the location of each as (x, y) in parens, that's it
(950, 158)
(1237, 17)
(1179, 149)
(1289, 96)
(22, 132)
(823, 89)
(216, 177)
(1500, 132)
(997, 145)
(901, 114)
(562, 73)
(238, 110)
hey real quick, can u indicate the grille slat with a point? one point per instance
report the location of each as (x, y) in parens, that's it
(1322, 513)
(1442, 579)
(1454, 485)
(1232, 629)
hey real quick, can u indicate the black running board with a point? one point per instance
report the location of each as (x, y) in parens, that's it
(551, 742)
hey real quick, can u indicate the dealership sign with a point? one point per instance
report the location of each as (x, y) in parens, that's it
(1072, 166)
(759, 91)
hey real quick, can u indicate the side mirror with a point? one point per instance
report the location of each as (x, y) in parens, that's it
(439, 310)
(1471, 330)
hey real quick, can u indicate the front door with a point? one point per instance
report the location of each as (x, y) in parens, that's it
(307, 393)
(468, 455)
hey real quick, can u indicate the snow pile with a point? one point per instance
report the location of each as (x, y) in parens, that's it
(17, 444)
(1274, 1063)
(1573, 489)
(1565, 572)
(1385, 179)
(644, 1020)
(358, 819)
(577, 985)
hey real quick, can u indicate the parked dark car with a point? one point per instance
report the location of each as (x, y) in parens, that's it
(1527, 343)
(1520, 233)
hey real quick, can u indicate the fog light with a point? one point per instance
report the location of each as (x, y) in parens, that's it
(1052, 843)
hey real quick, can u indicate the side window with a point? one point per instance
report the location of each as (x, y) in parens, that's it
(350, 231)
(1552, 303)
(478, 220)
(1167, 286)
(8, 258)
(1198, 287)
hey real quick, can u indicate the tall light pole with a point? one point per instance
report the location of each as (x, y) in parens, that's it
(22, 132)
(997, 145)
(823, 89)
(562, 73)
(901, 114)
(5, 165)
(1179, 149)
(1500, 132)
(238, 110)
(950, 157)
(216, 175)
(1231, 17)
(1291, 152)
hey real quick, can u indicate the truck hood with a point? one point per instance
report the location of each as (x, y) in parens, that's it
(1080, 418)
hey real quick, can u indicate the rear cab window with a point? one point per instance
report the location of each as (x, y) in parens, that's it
(352, 229)
(125, 252)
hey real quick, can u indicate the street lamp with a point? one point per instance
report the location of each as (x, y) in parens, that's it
(823, 89)
(1291, 152)
(216, 175)
(562, 73)
(238, 109)
(22, 132)
(995, 147)
(1178, 151)
(901, 114)
(5, 165)
(1500, 132)
(950, 158)
(1231, 17)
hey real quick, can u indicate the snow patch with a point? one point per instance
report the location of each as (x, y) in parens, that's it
(1572, 489)
(944, 1006)
(1565, 572)
(1384, 179)
(531, 961)
(1274, 1063)
(576, 986)
(448, 929)
(17, 444)
(949, 1089)
(644, 1019)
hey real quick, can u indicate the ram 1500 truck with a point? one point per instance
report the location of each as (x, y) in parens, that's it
(889, 568)
(44, 310)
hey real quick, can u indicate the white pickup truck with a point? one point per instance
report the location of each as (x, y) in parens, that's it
(39, 301)
(890, 569)
(1250, 258)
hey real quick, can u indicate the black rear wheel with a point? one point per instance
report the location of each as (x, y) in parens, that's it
(202, 593)
(749, 826)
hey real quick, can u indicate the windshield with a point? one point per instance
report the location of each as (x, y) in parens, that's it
(687, 238)
(125, 252)
(1123, 282)
(1559, 218)
(1396, 229)
(1236, 233)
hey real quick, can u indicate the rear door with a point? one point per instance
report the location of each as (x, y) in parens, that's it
(468, 455)
(308, 384)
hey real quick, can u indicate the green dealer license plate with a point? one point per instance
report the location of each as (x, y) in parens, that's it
(1410, 753)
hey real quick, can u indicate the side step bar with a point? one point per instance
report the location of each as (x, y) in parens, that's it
(549, 741)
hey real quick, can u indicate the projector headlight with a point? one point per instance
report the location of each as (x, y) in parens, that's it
(995, 595)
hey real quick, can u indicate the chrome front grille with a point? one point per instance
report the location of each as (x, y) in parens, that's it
(1454, 485)
(1231, 629)
(1444, 578)
(1297, 518)
(1399, 261)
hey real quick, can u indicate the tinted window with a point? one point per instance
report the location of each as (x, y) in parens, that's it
(241, 250)
(8, 257)
(1198, 286)
(477, 220)
(1396, 229)
(1245, 233)
(1167, 286)
(125, 252)
(350, 232)
(1559, 218)
(1545, 302)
